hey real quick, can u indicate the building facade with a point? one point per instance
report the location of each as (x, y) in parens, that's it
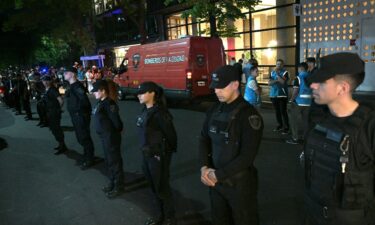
(284, 29)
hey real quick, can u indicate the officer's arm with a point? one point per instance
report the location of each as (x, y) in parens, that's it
(168, 129)
(113, 114)
(60, 100)
(283, 78)
(84, 102)
(295, 89)
(205, 144)
(251, 128)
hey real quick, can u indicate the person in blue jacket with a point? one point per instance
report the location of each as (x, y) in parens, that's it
(278, 83)
(299, 103)
(252, 89)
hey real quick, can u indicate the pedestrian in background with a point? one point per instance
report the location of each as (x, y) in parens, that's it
(108, 125)
(340, 147)
(158, 142)
(79, 108)
(229, 142)
(299, 104)
(253, 90)
(279, 95)
(54, 102)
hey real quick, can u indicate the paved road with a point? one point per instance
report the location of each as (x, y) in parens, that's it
(39, 188)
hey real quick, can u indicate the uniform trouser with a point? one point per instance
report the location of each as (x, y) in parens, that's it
(297, 115)
(81, 123)
(280, 106)
(54, 120)
(26, 106)
(344, 217)
(111, 143)
(17, 102)
(41, 109)
(157, 174)
(235, 204)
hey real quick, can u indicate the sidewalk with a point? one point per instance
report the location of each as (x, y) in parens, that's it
(38, 188)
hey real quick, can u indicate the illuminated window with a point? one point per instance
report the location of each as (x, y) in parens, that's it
(366, 47)
(365, 3)
(365, 11)
(351, 13)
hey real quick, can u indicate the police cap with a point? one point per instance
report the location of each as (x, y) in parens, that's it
(222, 76)
(98, 84)
(148, 86)
(337, 64)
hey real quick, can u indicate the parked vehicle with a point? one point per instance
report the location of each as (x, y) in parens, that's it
(182, 67)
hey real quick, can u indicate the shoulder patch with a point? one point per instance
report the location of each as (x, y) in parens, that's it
(255, 121)
(113, 108)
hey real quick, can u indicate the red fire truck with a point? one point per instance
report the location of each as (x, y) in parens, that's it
(182, 67)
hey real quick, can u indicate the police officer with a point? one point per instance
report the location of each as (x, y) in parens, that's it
(108, 125)
(54, 102)
(24, 95)
(79, 108)
(340, 147)
(158, 141)
(278, 83)
(229, 142)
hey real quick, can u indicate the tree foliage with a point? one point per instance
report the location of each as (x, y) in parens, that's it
(136, 11)
(220, 13)
(51, 51)
(69, 20)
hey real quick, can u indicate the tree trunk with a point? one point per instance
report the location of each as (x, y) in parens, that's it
(213, 30)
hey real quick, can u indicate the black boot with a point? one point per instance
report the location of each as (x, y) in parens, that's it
(61, 149)
(86, 164)
(117, 190)
(108, 188)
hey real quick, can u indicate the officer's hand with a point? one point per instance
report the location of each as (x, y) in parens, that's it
(204, 176)
(212, 176)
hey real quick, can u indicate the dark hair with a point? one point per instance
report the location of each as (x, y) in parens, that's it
(240, 61)
(110, 89)
(280, 60)
(252, 69)
(303, 65)
(310, 59)
(253, 62)
(353, 79)
(160, 99)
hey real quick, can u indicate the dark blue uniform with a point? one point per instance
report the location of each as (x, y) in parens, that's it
(108, 125)
(229, 142)
(53, 110)
(79, 108)
(158, 142)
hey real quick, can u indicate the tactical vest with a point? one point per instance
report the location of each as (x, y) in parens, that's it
(277, 89)
(336, 191)
(223, 136)
(304, 95)
(149, 136)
